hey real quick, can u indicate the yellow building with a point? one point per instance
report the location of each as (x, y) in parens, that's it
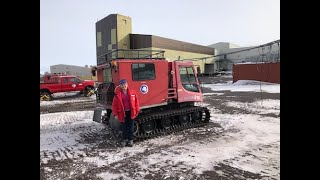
(115, 32)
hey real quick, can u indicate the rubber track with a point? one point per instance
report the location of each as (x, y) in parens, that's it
(140, 136)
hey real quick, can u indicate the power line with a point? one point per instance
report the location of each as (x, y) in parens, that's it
(255, 47)
(263, 45)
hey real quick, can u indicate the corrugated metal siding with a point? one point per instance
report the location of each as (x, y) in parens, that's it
(275, 75)
(267, 72)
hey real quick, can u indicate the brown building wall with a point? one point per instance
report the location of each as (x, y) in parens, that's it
(160, 42)
(267, 72)
(138, 41)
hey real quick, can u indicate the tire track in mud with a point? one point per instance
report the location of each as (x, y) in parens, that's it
(68, 106)
(62, 120)
(75, 151)
(80, 148)
(65, 171)
(61, 154)
(99, 136)
(94, 153)
(126, 164)
(68, 139)
(201, 135)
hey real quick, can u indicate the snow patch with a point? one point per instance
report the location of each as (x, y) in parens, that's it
(210, 94)
(265, 106)
(245, 86)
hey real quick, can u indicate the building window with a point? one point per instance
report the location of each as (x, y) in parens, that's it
(143, 71)
(99, 39)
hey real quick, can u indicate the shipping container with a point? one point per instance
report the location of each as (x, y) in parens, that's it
(266, 72)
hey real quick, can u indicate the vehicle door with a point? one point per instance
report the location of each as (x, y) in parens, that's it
(77, 84)
(54, 84)
(65, 84)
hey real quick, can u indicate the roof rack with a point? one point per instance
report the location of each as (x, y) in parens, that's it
(130, 54)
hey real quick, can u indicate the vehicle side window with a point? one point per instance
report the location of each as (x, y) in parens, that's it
(65, 80)
(192, 78)
(143, 71)
(188, 79)
(54, 80)
(75, 80)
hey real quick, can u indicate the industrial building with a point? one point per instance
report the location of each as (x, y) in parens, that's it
(83, 73)
(233, 54)
(115, 32)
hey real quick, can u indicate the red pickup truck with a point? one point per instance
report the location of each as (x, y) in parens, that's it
(50, 84)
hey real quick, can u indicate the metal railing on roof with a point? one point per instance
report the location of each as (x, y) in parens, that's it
(130, 54)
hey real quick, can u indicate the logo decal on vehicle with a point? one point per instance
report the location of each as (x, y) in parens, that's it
(144, 89)
(73, 85)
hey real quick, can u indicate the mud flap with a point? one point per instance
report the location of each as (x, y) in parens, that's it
(97, 114)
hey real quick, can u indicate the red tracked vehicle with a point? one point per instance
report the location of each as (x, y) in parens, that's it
(167, 91)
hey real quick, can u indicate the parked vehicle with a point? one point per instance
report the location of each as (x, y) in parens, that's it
(167, 91)
(50, 84)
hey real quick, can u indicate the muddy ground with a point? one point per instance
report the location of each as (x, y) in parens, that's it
(73, 167)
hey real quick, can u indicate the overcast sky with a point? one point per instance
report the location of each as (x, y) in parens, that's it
(67, 27)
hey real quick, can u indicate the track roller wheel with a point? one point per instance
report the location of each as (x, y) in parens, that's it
(148, 126)
(196, 116)
(184, 118)
(166, 122)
